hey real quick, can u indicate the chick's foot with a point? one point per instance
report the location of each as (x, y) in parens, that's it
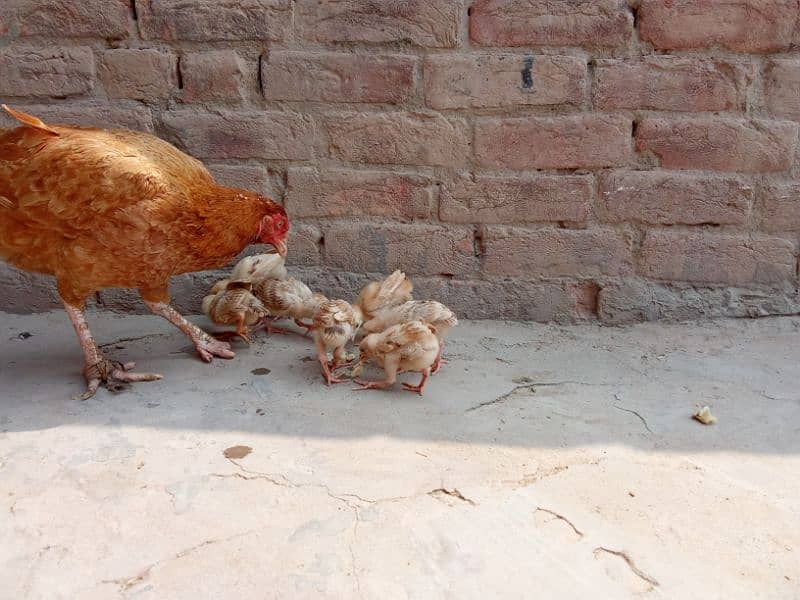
(113, 375)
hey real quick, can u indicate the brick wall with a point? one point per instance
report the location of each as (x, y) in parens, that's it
(547, 160)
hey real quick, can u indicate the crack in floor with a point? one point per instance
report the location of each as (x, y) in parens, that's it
(629, 561)
(561, 517)
(454, 493)
(633, 412)
(532, 387)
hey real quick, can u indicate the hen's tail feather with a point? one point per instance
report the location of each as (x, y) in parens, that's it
(29, 120)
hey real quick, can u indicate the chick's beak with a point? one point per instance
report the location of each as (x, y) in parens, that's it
(281, 247)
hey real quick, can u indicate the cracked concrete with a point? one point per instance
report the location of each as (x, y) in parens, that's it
(543, 461)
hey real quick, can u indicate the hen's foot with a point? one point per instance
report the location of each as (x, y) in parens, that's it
(208, 348)
(113, 375)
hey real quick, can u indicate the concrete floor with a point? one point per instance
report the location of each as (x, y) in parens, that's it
(592, 483)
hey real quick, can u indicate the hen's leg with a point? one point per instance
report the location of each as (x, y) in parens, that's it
(207, 346)
(98, 368)
(418, 388)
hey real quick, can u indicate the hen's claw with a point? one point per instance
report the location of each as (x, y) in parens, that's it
(114, 375)
(208, 348)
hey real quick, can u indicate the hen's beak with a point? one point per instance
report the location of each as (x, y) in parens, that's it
(281, 247)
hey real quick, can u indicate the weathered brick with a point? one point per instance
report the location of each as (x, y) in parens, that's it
(58, 72)
(304, 245)
(214, 20)
(92, 114)
(719, 144)
(524, 199)
(669, 198)
(782, 87)
(780, 208)
(272, 135)
(482, 80)
(606, 23)
(138, 74)
(583, 141)
(555, 252)
(429, 23)
(399, 138)
(708, 258)
(337, 76)
(345, 193)
(110, 19)
(417, 249)
(671, 83)
(739, 25)
(247, 177)
(215, 76)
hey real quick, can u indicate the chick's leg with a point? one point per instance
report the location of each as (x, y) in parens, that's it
(391, 365)
(98, 368)
(322, 356)
(418, 388)
(207, 346)
(437, 364)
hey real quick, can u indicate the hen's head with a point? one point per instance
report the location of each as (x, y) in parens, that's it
(274, 228)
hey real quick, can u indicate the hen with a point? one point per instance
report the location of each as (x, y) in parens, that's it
(232, 303)
(411, 346)
(427, 311)
(113, 208)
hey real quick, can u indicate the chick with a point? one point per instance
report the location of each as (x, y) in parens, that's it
(427, 311)
(412, 346)
(335, 323)
(287, 298)
(393, 290)
(260, 267)
(232, 303)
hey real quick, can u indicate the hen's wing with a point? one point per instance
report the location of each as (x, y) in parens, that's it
(66, 178)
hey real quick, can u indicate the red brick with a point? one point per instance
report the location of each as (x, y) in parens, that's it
(138, 74)
(669, 198)
(51, 71)
(345, 193)
(555, 252)
(417, 249)
(707, 258)
(398, 138)
(671, 83)
(247, 177)
(739, 25)
(110, 19)
(272, 135)
(524, 199)
(782, 87)
(606, 23)
(719, 144)
(780, 209)
(215, 76)
(584, 141)
(304, 245)
(337, 77)
(214, 20)
(483, 81)
(429, 23)
(137, 118)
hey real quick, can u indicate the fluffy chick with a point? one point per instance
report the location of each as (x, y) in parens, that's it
(378, 295)
(232, 303)
(335, 323)
(427, 311)
(412, 346)
(287, 298)
(260, 267)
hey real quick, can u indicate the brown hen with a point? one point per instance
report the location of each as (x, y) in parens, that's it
(103, 208)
